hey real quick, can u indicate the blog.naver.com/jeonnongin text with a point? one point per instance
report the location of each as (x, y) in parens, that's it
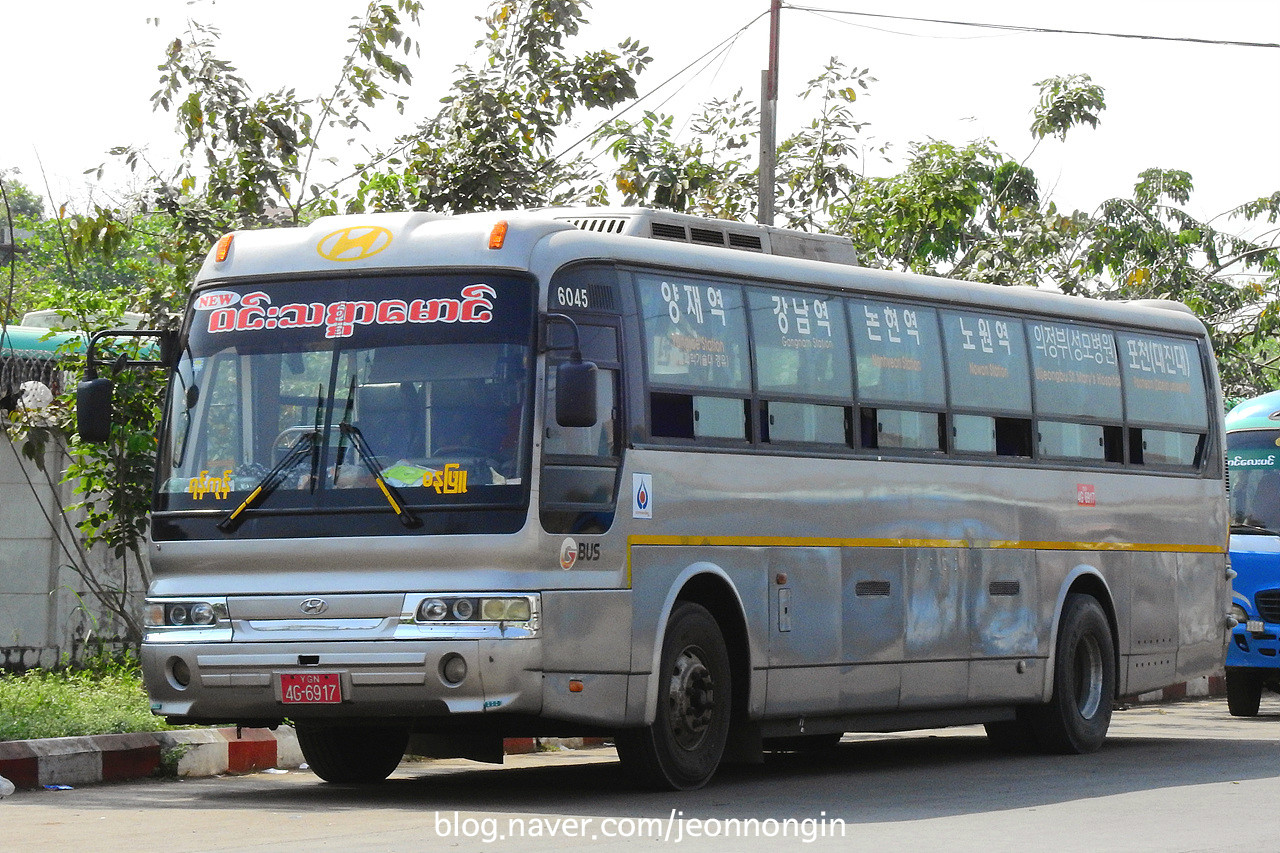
(674, 828)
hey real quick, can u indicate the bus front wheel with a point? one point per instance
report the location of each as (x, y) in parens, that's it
(1244, 691)
(682, 748)
(1084, 681)
(352, 754)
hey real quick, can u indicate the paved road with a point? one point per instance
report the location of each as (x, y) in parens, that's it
(1184, 777)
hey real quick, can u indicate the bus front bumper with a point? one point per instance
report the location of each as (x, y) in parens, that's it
(237, 682)
(1256, 648)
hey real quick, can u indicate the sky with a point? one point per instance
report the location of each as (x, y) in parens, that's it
(81, 73)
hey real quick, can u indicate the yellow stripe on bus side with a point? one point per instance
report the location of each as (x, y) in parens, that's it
(825, 542)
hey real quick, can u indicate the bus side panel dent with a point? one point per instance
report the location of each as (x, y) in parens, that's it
(1153, 622)
(805, 641)
(592, 630)
(874, 617)
(585, 676)
(938, 622)
(1203, 598)
(1008, 646)
(594, 698)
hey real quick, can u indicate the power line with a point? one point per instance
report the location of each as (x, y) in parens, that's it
(724, 45)
(1045, 30)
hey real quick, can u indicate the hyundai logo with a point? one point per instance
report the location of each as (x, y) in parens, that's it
(354, 244)
(314, 606)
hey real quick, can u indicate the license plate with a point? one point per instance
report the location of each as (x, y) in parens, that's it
(310, 688)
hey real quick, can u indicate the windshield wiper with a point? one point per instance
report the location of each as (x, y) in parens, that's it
(1257, 530)
(304, 445)
(406, 515)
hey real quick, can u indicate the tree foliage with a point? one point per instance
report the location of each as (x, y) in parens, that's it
(972, 211)
(491, 145)
(19, 202)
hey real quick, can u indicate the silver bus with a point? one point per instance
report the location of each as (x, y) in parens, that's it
(707, 488)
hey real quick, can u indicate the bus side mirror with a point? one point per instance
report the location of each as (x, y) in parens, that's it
(93, 410)
(576, 394)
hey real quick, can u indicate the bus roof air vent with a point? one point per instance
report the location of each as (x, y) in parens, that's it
(724, 233)
(667, 231)
(600, 224)
(707, 236)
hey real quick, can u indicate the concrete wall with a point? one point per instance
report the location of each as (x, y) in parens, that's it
(46, 612)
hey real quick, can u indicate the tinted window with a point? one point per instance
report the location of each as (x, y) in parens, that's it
(1076, 371)
(801, 344)
(986, 362)
(1164, 382)
(695, 333)
(898, 353)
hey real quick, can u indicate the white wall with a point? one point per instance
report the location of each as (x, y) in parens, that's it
(46, 612)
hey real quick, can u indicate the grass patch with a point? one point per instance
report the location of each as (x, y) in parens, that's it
(104, 696)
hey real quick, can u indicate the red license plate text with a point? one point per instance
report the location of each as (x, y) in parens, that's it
(310, 688)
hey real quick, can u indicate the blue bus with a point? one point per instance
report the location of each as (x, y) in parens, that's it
(1253, 464)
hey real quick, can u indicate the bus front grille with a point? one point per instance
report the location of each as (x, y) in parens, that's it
(1268, 602)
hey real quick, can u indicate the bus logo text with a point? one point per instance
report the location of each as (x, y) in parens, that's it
(354, 244)
(341, 318)
(216, 299)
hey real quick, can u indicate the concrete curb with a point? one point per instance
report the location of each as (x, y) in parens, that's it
(214, 752)
(116, 758)
(183, 753)
(1197, 688)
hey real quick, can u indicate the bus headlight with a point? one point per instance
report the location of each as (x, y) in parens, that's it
(196, 614)
(504, 609)
(432, 610)
(1237, 612)
(512, 608)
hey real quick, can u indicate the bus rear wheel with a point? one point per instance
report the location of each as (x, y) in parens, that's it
(352, 754)
(1084, 681)
(682, 748)
(1244, 691)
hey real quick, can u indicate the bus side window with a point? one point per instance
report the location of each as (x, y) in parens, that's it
(903, 430)
(1165, 400)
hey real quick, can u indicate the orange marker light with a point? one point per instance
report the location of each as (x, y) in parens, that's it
(498, 235)
(224, 248)
(575, 686)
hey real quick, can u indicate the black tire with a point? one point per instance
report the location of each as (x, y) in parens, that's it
(683, 747)
(347, 754)
(1084, 682)
(1244, 691)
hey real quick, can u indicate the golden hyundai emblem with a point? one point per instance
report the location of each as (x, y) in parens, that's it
(354, 244)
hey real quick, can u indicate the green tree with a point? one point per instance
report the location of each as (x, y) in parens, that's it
(245, 162)
(18, 201)
(1149, 246)
(491, 146)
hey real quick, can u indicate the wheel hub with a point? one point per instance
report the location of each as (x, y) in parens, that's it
(691, 698)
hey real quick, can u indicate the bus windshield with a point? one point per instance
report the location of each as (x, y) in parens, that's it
(1253, 459)
(337, 394)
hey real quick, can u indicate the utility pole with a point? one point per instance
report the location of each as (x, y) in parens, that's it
(769, 120)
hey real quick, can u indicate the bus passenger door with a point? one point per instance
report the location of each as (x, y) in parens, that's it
(578, 493)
